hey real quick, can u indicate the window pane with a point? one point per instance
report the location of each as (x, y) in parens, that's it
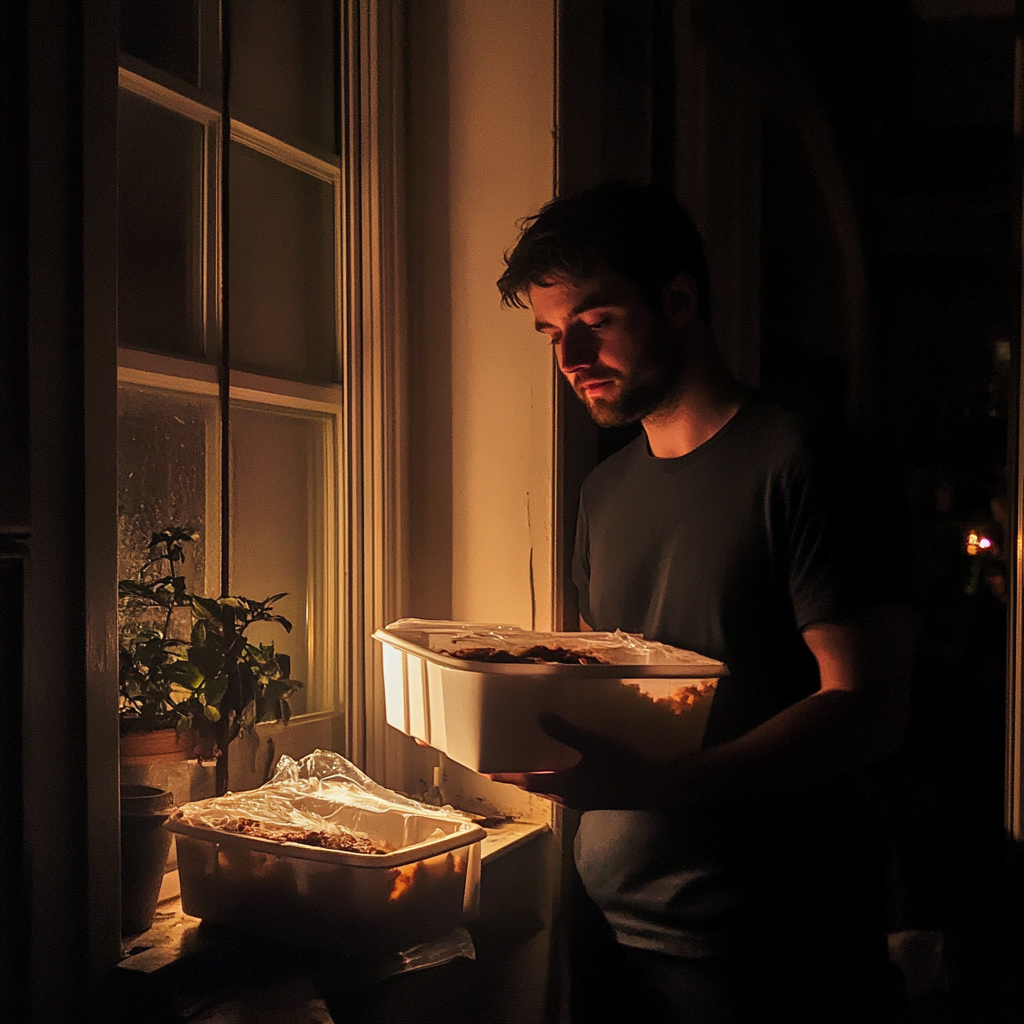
(282, 269)
(163, 34)
(283, 69)
(281, 507)
(159, 228)
(168, 475)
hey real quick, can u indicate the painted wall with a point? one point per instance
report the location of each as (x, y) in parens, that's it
(480, 112)
(479, 155)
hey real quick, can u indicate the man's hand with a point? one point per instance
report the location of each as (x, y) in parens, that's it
(854, 720)
(609, 775)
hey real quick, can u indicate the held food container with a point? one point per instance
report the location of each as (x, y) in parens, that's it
(426, 884)
(484, 713)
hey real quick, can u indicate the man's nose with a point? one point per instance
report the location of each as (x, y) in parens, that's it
(578, 348)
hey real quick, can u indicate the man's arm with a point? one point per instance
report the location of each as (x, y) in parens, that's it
(854, 719)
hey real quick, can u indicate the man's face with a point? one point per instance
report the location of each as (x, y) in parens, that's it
(614, 349)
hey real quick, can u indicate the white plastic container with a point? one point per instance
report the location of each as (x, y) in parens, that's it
(485, 715)
(326, 898)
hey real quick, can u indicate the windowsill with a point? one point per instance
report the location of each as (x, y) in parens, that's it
(507, 837)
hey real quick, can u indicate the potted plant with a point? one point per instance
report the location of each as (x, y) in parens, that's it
(199, 690)
(157, 684)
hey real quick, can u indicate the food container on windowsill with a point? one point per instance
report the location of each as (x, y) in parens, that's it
(650, 696)
(426, 884)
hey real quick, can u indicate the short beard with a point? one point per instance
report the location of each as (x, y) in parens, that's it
(650, 388)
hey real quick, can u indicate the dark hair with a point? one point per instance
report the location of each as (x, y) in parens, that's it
(640, 232)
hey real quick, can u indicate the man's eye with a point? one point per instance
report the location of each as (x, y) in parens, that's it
(599, 323)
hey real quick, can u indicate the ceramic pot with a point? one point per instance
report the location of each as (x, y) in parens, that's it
(145, 844)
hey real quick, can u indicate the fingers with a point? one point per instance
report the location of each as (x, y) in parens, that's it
(542, 783)
(571, 735)
(511, 778)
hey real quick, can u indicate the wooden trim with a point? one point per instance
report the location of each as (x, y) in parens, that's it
(165, 97)
(151, 369)
(284, 153)
(1014, 749)
(373, 324)
(99, 408)
(1014, 756)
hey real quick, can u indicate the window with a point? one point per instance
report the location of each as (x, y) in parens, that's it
(281, 518)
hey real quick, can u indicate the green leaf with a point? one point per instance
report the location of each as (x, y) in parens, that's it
(206, 607)
(212, 714)
(247, 719)
(208, 659)
(215, 689)
(276, 688)
(186, 674)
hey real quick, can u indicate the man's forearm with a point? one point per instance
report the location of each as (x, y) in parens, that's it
(822, 737)
(855, 719)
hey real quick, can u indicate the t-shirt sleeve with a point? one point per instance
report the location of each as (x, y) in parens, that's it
(581, 563)
(814, 547)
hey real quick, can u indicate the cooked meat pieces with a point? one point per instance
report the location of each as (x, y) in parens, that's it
(676, 702)
(538, 655)
(341, 839)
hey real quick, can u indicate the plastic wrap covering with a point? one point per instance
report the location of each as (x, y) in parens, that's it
(458, 687)
(326, 794)
(616, 648)
(285, 881)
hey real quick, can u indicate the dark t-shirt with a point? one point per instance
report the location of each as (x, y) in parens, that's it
(729, 551)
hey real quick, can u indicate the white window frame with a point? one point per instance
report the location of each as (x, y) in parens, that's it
(342, 531)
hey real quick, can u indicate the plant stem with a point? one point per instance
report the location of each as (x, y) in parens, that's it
(221, 774)
(170, 607)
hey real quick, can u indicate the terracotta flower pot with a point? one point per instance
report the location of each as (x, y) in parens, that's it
(144, 847)
(155, 746)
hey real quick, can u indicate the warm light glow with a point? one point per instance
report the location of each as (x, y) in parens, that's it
(978, 543)
(403, 881)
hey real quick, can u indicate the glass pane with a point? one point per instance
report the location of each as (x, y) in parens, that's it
(280, 510)
(164, 34)
(283, 61)
(168, 474)
(282, 269)
(159, 228)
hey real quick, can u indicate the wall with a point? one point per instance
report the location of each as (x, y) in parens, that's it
(479, 471)
(480, 157)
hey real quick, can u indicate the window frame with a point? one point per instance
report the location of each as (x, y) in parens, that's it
(366, 580)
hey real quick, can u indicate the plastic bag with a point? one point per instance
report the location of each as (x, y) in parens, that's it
(457, 943)
(616, 648)
(324, 792)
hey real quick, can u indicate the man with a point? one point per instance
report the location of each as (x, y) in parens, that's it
(742, 883)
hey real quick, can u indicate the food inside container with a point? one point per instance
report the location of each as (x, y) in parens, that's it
(323, 856)
(476, 691)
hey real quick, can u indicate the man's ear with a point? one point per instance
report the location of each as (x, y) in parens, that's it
(679, 299)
